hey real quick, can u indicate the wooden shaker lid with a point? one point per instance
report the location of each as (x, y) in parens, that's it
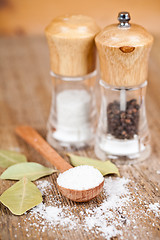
(124, 51)
(71, 44)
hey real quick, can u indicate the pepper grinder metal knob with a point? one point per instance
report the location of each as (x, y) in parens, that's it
(124, 18)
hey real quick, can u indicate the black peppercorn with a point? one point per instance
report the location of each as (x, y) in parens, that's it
(123, 124)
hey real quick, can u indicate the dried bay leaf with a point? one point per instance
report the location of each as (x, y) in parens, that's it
(31, 170)
(21, 197)
(105, 168)
(8, 158)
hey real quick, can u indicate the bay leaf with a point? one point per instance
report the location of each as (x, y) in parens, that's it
(21, 197)
(105, 168)
(8, 158)
(31, 170)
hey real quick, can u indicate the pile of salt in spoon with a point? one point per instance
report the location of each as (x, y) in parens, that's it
(81, 183)
(83, 177)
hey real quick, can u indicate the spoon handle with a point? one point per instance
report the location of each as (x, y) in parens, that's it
(32, 137)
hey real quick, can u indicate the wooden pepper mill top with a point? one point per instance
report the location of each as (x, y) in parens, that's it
(71, 43)
(124, 51)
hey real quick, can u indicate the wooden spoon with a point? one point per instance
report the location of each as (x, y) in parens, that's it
(32, 137)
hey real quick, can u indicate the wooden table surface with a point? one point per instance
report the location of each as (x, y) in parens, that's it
(25, 96)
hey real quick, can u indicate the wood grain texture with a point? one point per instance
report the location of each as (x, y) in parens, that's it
(25, 96)
(124, 54)
(71, 44)
(32, 137)
(81, 195)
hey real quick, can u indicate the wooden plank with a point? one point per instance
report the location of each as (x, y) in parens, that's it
(25, 95)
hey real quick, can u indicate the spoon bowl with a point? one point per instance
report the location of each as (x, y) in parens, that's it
(81, 195)
(33, 138)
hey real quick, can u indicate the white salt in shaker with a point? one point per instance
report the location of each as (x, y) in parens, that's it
(72, 117)
(122, 133)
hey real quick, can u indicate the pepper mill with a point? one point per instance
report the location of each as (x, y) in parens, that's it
(122, 133)
(71, 123)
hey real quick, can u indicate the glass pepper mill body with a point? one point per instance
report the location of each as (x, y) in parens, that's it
(122, 133)
(71, 123)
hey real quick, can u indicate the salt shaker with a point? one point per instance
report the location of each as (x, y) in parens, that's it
(122, 133)
(71, 123)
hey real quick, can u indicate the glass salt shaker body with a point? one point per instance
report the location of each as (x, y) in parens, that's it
(122, 133)
(71, 123)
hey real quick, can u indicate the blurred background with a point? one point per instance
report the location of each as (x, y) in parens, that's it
(18, 17)
(24, 58)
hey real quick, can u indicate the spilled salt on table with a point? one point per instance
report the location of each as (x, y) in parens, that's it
(92, 218)
(43, 185)
(108, 218)
(80, 178)
(155, 208)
